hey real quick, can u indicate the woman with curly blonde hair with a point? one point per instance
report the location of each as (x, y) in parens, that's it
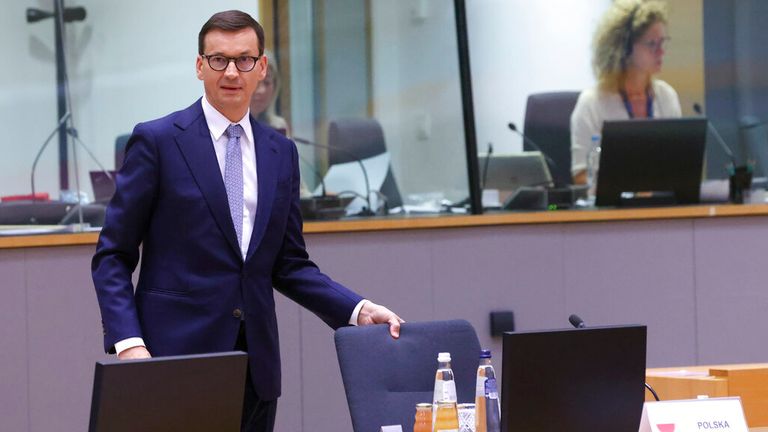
(628, 51)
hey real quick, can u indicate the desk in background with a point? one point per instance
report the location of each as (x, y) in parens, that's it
(748, 381)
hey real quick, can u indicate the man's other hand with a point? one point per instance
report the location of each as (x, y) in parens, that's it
(137, 352)
(371, 313)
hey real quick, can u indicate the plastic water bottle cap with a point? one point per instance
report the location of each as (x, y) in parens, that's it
(444, 357)
(485, 353)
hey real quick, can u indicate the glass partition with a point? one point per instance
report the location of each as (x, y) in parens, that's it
(371, 83)
(378, 82)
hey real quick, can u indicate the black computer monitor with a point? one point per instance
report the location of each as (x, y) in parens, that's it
(194, 393)
(574, 380)
(651, 161)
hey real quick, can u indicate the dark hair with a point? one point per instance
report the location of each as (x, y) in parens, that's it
(230, 21)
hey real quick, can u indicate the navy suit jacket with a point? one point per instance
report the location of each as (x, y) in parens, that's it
(171, 200)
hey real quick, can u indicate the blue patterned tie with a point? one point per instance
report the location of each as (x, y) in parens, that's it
(233, 178)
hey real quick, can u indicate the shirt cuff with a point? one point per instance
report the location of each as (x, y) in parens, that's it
(356, 312)
(131, 343)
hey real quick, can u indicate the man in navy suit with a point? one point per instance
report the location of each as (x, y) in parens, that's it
(212, 198)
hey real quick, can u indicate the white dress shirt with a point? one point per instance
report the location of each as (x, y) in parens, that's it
(217, 125)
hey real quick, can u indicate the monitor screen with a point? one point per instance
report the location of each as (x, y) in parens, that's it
(185, 393)
(589, 379)
(653, 161)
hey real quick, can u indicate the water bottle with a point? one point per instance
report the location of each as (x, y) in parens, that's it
(487, 414)
(593, 164)
(445, 386)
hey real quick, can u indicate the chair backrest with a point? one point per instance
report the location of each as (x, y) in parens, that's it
(548, 124)
(351, 139)
(385, 378)
(120, 142)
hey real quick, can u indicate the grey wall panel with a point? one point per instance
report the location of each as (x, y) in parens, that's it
(516, 268)
(65, 338)
(732, 290)
(289, 320)
(636, 272)
(14, 355)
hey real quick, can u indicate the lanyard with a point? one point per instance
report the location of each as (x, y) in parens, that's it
(648, 106)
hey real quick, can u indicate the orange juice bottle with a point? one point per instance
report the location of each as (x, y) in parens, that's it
(447, 419)
(423, 420)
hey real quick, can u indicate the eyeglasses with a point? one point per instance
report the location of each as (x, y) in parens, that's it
(220, 62)
(655, 45)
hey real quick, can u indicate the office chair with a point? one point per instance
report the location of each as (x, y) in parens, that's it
(548, 124)
(385, 378)
(361, 138)
(120, 143)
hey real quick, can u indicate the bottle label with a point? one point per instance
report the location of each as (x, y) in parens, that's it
(491, 392)
(480, 386)
(449, 391)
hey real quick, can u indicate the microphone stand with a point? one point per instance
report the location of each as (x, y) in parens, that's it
(60, 15)
(739, 177)
(368, 211)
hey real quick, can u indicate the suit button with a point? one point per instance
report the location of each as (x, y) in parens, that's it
(237, 313)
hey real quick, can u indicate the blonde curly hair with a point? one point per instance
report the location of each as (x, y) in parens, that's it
(621, 26)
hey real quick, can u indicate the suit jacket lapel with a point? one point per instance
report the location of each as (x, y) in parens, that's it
(267, 162)
(194, 142)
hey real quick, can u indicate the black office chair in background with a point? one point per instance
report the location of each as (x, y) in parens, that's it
(120, 143)
(384, 378)
(548, 124)
(351, 139)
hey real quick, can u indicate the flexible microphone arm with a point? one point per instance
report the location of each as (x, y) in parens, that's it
(367, 211)
(485, 166)
(316, 173)
(579, 323)
(747, 124)
(530, 142)
(718, 137)
(58, 128)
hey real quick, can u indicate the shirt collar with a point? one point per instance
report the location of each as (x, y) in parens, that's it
(218, 124)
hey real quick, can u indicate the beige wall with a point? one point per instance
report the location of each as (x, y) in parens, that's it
(684, 63)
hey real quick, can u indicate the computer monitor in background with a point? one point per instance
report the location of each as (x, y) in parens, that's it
(194, 393)
(508, 172)
(651, 162)
(589, 379)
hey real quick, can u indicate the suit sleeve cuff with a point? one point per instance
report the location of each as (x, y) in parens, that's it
(137, 341)
(356, 312)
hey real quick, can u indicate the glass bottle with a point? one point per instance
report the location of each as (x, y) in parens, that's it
(487, 410)
(447, 419)
(445, 386)
(593, 164)
(423, 418)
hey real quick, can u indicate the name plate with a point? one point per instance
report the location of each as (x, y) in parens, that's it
(694, 415)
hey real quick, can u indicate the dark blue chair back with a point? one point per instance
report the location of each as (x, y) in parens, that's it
(548, 124)
(385, 378)
(361, 138)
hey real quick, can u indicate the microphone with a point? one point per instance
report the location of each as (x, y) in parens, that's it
(485, 166)
(718, 138)
(530, 142)
(578, 323)
(71, 14)
(366, 211)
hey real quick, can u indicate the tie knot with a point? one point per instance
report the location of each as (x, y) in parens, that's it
(234, 131)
